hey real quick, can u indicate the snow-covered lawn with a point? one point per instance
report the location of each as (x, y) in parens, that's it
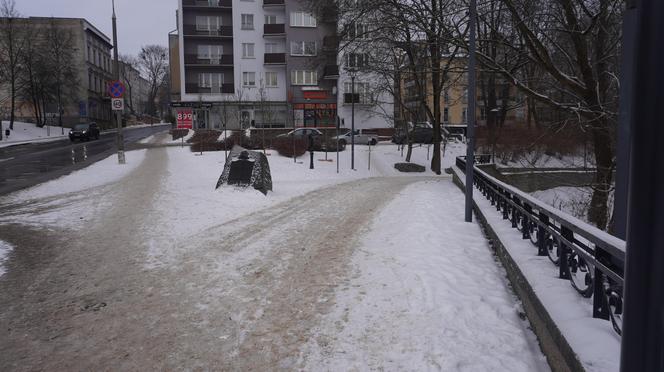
(5, 248)
(427, 294)
(27, 132)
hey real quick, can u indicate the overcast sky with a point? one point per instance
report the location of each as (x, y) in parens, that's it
(140, 22)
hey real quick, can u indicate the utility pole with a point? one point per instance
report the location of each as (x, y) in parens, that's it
(472, 97)
(116, 75)
(352, 125)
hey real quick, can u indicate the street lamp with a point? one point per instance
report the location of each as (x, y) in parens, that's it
(352, 71)
(472, 97)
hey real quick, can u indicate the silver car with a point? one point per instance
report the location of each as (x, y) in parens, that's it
(361, 138)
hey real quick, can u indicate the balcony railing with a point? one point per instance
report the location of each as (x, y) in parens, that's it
(208, 4)
(194, 59)
(196, 89)
(274, 29)
(275, 58)
(267, 3)
(223, 31)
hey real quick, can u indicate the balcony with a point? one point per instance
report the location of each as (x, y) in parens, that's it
(331, 72)
(224, 89)
(208, 4)
(222, 32)
(331, 44)
(330, 14)
(195, 60)
(274, 30)
(273, 3)
(275, 58)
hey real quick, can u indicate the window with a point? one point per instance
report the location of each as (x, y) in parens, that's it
(211, 80)
(304, 77)
(247, 21)
(272, 48)
(249, 79)
(363, 90)
(447, 95)
(303, 48)
(357, 60)
(446, 115)
(210, 51)
(208, 23)
(464, 115)
(270, 19)
(248, 50)
(271, 79)
(358, 31)
(302, 19)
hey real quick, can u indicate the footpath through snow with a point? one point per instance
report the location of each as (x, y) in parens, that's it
(426, 294)
(151, 268)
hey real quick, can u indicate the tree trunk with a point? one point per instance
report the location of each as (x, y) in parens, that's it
(12, 114)
(598, 209)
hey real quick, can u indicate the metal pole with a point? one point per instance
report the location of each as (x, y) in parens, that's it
(626, 102)
(643, 320)
(116, 73)
(338, 123)
(352, 125)
(472, 97)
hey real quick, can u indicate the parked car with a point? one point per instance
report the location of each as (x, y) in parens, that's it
(85, 132)
(320, 141)
(420, 132)
(361, 138)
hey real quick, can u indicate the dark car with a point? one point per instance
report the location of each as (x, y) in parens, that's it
(321, 142)
(85, 132)
(421, 132)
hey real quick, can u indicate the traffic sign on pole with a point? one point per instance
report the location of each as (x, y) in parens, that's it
(118, 104)
(116, 89)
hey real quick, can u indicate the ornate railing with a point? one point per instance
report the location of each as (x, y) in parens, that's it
(592, 260)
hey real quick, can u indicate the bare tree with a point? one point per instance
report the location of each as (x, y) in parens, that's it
(129, 75)
(153, 61)
(12, 42)
(573, 45)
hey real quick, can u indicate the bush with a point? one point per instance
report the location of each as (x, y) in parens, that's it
(289, 147)
(179, 133)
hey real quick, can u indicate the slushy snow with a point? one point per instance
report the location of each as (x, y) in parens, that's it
(5, 249)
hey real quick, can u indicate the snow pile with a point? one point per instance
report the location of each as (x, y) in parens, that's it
(98, 174)
(427, 295)
(5, 248)
(28, 132)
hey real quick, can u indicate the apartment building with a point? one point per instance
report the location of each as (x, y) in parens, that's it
(261, 63)
(454, 98)
(91, 50)
(136, 90)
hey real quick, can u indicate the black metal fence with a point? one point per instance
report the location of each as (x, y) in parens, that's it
(592, 260)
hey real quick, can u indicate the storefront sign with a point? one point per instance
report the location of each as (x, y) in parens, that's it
(185, 119)
(315, 94)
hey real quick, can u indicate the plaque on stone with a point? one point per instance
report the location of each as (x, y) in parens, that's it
(241, 171)
(247, 168)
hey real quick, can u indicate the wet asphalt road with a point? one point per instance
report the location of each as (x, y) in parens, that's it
(27, 165)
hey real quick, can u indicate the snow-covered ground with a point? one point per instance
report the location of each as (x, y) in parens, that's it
(572, 200)
(426, 294)
(28, 132)
(593, 340)
(538, 159)
(5, 249)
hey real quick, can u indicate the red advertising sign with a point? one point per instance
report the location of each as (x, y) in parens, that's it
(315, 94)
(186, 119)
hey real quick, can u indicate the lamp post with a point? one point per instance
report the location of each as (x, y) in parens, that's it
(353, 73)
(116, 74)
(472, 97)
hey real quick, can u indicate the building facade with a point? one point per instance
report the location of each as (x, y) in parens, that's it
(261, 63)
(91, 59)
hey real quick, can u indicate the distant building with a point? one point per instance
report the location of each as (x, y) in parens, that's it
(264, 63)
(92, 51)
(136, 90)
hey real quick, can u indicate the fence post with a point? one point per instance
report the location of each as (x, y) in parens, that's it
(541, 235)
(525, 223)
(564, 252)
(600, 303)
(506, 205)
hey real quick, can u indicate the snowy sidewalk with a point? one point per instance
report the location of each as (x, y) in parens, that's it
(426, 294)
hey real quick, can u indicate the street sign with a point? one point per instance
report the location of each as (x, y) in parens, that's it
(118, 104)
(116, 89)
(185, 119)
